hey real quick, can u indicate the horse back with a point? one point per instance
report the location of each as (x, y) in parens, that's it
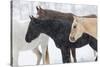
(90, 16)
(90, 25)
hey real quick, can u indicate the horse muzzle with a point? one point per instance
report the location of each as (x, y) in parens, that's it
(27, 40)
(72, 39)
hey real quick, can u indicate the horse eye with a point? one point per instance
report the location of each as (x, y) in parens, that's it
(74, 26)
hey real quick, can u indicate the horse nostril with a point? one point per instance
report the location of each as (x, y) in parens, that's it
(72, 38)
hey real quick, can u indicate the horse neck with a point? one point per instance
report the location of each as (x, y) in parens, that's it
(46, 29)
(49, 33)
(89, 25)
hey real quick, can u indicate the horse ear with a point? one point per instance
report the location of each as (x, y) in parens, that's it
(40, 11)
(30, 17)
(78, 19)
(38, 8)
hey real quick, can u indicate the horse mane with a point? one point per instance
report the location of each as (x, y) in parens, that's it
(54, 12)
(57, 15)
(90, 16)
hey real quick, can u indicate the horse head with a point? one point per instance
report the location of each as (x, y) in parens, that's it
(32, 31)
(76, 30)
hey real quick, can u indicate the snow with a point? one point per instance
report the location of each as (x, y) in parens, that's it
(84, 54)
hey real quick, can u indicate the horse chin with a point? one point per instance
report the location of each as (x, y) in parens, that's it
(72, 41)
(29, 41)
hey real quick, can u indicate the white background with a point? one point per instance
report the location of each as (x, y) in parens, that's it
(5, 32)
(21, 11)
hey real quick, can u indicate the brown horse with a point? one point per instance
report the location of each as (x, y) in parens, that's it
(83, 25)
(50, 14)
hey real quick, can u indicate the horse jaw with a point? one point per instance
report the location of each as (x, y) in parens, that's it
(80, 31)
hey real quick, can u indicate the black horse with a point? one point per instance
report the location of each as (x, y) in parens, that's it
(59, 31)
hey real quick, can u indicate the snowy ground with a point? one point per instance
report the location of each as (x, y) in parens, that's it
(84, 54)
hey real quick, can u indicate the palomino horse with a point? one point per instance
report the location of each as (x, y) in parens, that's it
(59, 31)
(83, 25)
(19, 44)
